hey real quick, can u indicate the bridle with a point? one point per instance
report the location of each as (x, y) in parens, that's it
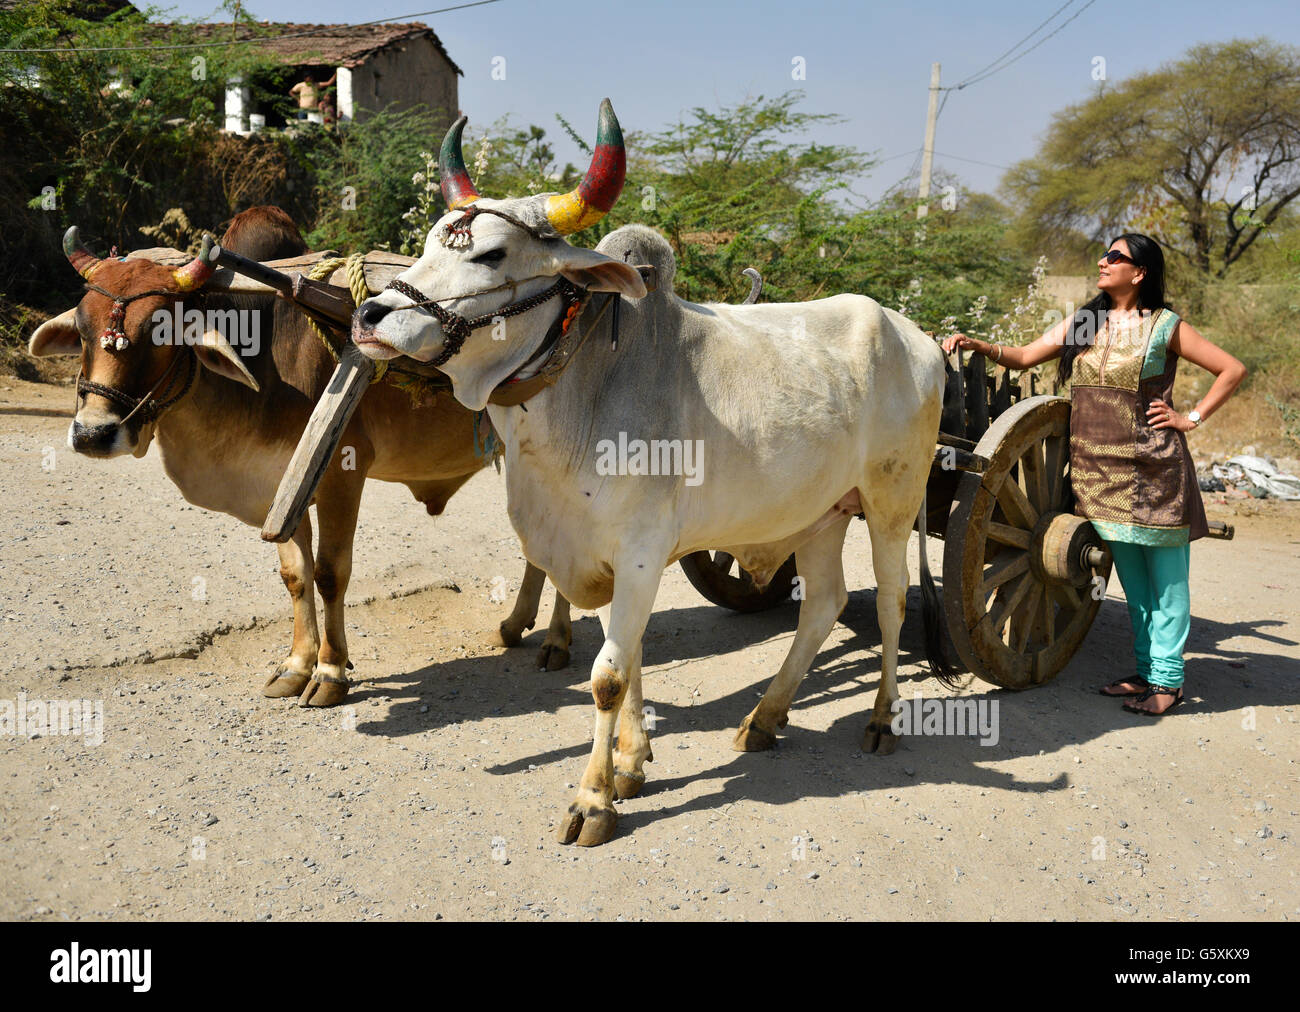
(147, 407)
(456, 327)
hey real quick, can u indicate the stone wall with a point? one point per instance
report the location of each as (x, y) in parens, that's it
(404, 75)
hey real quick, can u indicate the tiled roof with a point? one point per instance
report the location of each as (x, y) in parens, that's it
(316, 45)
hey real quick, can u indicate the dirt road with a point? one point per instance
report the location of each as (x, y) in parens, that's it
(436, 791)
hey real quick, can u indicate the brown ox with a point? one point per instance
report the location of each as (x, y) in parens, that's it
(227, 412)
(264, 233)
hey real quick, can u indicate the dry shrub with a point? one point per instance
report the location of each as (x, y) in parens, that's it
(17, 322)
(1256, 323)
(252, 170)
(176, 232)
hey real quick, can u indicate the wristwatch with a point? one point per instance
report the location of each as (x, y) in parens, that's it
(1194, 417)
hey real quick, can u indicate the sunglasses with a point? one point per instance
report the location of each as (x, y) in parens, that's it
(1114, 256)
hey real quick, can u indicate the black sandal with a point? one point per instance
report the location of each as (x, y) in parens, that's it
(1156, 690)
(1135, 680)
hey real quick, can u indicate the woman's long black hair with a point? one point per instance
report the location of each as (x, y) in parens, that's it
(1091, 317)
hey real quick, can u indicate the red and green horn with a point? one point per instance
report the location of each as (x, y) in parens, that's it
(83, 261)
(457, 188)
(599, 190)
(198, 270)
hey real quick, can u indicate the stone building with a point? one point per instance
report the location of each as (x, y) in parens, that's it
(374, 66)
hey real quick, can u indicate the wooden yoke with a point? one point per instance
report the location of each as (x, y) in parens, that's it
(331, 306)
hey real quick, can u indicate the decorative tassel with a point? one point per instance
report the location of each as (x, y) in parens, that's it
(457, 235)
(113, 336)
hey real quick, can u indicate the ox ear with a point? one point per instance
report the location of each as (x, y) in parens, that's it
(600, 273)
(216, 354)
(58, 336)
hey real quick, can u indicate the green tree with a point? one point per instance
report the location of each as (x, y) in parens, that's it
(1203, 153)
(103, 139)
(742, 187)
(364, 179)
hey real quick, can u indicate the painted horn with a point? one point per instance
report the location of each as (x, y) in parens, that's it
(596, 194)
(457, 188)
(198, 270)
(83, 261)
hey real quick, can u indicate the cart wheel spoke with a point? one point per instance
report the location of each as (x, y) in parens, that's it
(722, 562)
(1015, 504)
(1005, 534)
(1031, 472)
(1068, 596)
(1022, 620)
(1056, 455)
(1016, 603)
(1007, 565)
(1005, 607)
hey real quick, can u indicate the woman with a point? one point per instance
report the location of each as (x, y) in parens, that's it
(1130, 468)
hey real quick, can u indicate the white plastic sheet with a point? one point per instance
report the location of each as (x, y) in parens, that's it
(1244, 471)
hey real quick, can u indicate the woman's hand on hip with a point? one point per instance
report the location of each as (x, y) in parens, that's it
(1161, 415)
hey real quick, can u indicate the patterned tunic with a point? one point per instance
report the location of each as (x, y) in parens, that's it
(1134, 482)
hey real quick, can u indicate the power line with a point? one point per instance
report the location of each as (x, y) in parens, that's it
(975, 161)
(1040, 27)
(901, 154)
(250, 41)
(1057, 30)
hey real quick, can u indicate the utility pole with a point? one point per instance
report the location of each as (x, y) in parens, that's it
(927, 158)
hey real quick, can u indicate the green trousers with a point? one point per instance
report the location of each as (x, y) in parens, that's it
(1159, 606)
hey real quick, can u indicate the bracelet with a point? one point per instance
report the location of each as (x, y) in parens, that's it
(999, 348)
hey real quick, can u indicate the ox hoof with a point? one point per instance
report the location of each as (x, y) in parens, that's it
(511, 635)
(879, 739)
(552, 657)
(323, 691)
(587, 826)
(752, 738)
(284, 683)
(628, 785)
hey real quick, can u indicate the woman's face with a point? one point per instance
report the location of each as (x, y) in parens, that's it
(1119, 277)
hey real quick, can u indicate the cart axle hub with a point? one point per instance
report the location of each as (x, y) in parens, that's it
(1065, 548)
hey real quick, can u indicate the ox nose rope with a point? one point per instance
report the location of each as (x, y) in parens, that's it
(457, 328)
(555, 349)
(457, 235)
(148, 408)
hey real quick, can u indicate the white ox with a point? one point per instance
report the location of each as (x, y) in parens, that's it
(807, 413)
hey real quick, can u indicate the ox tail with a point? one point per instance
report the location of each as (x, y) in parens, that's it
(931, 612)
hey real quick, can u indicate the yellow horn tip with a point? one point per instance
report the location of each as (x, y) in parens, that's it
(569, 213)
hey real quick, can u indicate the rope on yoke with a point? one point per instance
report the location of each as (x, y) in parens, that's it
(356, 274)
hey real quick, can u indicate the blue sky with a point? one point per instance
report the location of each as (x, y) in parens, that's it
(867, 62)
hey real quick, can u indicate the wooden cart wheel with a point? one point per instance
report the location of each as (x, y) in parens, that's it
(1019, 569)
(711, 573)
